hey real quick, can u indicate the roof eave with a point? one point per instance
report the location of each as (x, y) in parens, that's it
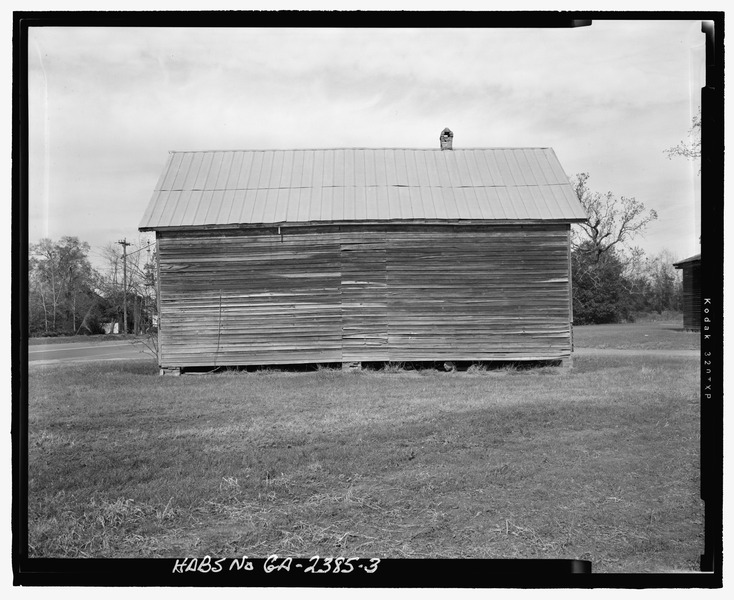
(230, 226)
(688, 261)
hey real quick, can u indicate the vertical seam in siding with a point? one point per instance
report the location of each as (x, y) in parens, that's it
(317, 215)
(231, 195)
(158, 295)
(198, 172)
(299, 187)
(234, 172)
(555, 193)
(429, 186)
(164, 174)
(178, 166)
(532, 159)
(376, 186)
(570, 272)
(344, 186)
(276, 212)
(515, 168)
(468, 157)
(310, 191)
(363, 212)
(164, 204)
(472, 161)
(182, 174)
(451, 188)
(222, 171)
(245, 187)
(219, 170)
(183, 207)
(411, 214)
(254, 200)
(247, 155)
(435, 189)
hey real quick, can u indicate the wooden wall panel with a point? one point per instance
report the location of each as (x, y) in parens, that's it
(351, 293)
(364, 293)
(249, 299)
(692, 297)
(479, 294)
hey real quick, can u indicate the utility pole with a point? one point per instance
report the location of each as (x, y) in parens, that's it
(124, 243)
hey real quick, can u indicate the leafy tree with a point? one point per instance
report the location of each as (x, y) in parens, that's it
(601, 292)
(605, 287)
(62, 283)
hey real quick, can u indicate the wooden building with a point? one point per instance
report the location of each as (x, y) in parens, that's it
(691, 268)
(355, 255)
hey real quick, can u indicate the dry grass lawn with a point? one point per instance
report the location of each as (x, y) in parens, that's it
(598, 463)
(646, 335)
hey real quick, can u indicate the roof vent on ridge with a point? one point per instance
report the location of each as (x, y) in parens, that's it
(447, 137)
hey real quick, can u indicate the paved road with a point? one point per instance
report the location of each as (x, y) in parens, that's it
(81, 352)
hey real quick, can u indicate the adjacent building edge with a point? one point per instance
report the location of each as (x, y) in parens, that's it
(158, 298)
(570, 293)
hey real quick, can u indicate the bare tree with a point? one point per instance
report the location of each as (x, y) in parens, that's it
(606, 285)
(137, 284)
(691, 149)
(60, 282)
(612, 222)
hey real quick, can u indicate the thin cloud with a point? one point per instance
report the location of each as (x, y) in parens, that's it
(107, 104)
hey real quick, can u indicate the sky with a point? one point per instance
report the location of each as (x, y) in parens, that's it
(107, 105)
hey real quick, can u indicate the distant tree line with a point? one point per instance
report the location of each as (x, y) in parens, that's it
(612, 282)
(67, 296)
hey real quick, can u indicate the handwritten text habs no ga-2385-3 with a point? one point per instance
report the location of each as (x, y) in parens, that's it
(315, 564)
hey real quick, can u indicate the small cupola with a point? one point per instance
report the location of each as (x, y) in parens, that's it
(446, 139)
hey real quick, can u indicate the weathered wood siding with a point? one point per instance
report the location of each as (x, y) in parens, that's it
(364, 293)
(249, 298)
(364, 296)
(478, 294)
(692, 296)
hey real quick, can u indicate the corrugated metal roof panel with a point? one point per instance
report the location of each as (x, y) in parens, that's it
(170, 171)
(211, 188)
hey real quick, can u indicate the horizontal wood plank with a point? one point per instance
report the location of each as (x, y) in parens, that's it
(377, 293)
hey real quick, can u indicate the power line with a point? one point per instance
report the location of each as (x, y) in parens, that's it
(141, 249)
(98, 250)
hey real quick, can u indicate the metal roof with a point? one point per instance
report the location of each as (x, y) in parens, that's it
(691, 260)
(231, 187)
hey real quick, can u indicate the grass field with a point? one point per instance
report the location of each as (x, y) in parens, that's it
(598, 463)
(665, 335)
